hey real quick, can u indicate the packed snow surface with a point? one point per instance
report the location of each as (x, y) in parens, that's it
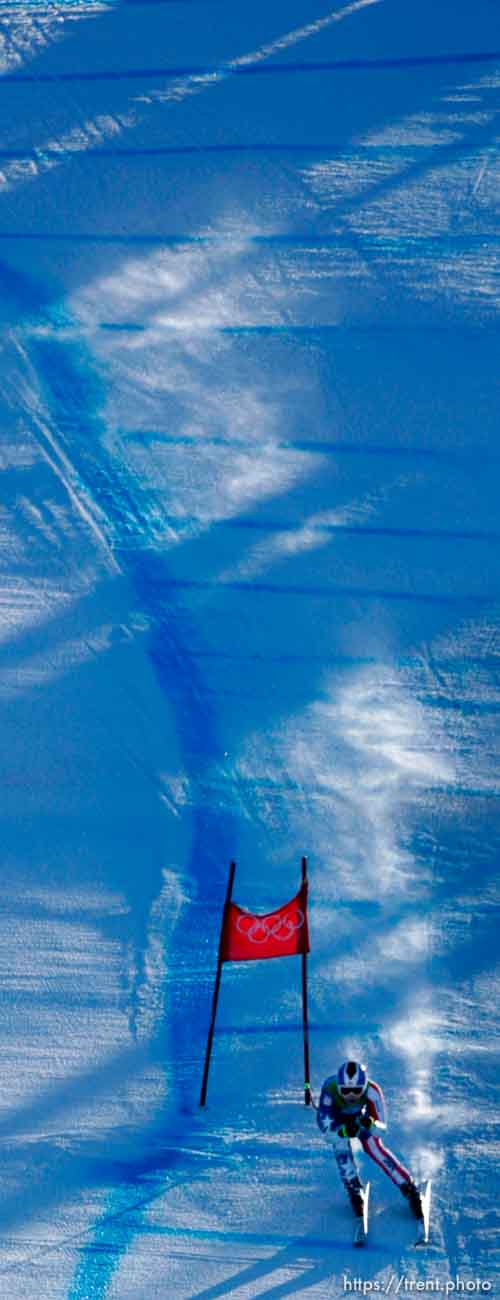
(249, 541)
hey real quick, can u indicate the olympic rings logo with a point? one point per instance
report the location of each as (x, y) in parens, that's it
(258, 930)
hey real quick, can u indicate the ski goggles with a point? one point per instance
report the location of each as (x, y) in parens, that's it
(347, 1091)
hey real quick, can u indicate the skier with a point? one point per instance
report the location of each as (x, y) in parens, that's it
(352, 1105)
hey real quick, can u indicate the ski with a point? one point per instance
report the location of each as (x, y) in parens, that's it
(361, 1229)
(424, 1222)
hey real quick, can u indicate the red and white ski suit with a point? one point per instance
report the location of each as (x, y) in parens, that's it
(332, 1113)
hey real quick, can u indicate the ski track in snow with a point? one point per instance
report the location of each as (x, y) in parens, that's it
(201, 661)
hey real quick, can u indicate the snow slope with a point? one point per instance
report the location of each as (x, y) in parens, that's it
(249, 608)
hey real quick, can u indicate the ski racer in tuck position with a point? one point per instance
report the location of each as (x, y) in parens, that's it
(352, 1105)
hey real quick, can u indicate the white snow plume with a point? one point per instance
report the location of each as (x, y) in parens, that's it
(417, 1038)
(190, 289)
(350, 766)
(218, 424)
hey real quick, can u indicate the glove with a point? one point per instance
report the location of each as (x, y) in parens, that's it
(350, 1127)
(329, 1132)
(366, 1122)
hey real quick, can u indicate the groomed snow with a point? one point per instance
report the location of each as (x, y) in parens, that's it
(248, 609)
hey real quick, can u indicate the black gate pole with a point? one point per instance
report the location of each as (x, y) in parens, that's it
(307, 1086)
(215, 999)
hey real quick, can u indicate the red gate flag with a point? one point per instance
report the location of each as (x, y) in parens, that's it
(282, 933)
(245, 937)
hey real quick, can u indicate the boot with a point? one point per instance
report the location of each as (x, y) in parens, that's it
(412, 1195)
